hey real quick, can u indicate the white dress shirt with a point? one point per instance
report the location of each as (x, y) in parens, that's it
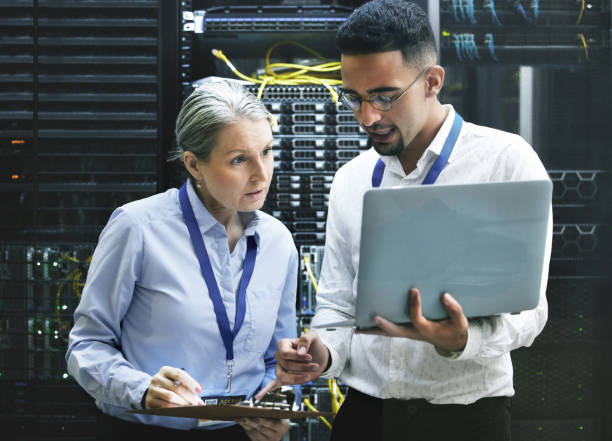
(145, 305)
(402, 368)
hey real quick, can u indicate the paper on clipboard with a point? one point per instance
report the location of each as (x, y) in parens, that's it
(229, 412)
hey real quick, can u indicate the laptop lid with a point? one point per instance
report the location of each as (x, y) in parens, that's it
(483, 243)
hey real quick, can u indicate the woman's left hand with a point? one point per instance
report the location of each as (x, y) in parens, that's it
(264, 429)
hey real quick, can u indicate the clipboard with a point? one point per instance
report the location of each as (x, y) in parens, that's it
(230, 412)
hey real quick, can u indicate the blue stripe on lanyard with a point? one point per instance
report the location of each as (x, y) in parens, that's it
(209, 277)
(438, 165)
(377, 175)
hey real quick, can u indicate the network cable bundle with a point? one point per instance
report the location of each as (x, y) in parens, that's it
(525, 31)
(314, 136)
(321, 394)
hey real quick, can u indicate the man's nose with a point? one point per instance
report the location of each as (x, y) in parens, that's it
(367, 114)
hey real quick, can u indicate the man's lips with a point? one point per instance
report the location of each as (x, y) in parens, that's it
(382, 135)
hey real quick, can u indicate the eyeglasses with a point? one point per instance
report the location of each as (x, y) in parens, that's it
(382, 103)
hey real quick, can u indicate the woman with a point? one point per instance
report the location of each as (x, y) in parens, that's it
(189, 290)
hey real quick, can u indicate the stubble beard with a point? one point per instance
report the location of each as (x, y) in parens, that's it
(388, 149)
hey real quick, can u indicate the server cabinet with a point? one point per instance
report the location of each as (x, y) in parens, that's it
(84, 93)
(90, 91)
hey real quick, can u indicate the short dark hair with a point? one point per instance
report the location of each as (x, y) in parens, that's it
(388, 25)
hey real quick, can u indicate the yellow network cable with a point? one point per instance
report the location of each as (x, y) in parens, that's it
(584, 44)
(336, 396)
(314, 409)
(74, 277)
(326, 74)
(310, 273)
(581, 12)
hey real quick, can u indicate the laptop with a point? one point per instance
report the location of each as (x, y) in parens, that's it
(483, 243)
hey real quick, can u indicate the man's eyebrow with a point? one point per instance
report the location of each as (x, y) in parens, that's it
(382, 89)
(372, 91)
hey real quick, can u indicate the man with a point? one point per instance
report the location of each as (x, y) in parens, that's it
(449, 379)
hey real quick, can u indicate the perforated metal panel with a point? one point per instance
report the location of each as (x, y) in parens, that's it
(577, 313)
(557, 384)
(583, 429)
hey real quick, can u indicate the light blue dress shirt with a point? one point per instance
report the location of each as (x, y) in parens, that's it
(145, 305)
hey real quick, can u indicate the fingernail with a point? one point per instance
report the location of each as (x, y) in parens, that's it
(301, 350)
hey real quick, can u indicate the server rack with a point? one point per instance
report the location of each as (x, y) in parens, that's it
(542, 69)
(500, 64)
(84, 88)
(61, 96)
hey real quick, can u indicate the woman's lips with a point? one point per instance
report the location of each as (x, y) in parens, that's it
(255, 194)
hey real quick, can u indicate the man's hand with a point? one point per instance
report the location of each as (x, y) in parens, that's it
(172, 387)
(264, 429)
(449, 335)
(298, 361)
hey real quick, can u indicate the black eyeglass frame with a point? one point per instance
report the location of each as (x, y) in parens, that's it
(387, 101)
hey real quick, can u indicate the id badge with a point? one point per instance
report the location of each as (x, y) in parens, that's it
(222, 400)
(219, 400)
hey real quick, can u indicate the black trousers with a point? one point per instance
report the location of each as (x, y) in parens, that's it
(362, 417)
(115, 429)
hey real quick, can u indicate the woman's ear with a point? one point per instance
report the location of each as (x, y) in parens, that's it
(435, 79)
(192, 164)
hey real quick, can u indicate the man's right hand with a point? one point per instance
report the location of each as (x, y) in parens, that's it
(298, 361)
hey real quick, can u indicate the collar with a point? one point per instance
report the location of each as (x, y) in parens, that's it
(438, 142)
(206, 221)
(393, 164)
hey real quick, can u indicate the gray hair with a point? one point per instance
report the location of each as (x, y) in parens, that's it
(210, 108)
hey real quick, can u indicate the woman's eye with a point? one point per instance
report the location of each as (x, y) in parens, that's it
(238, 160)
(267, 151)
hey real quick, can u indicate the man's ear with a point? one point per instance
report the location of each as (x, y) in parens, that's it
(434, 78)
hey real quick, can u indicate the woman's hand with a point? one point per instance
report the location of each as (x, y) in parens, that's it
(264, 429)
(172, 387)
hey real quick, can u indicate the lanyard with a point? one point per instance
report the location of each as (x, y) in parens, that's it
(213, 290)
(438, 165)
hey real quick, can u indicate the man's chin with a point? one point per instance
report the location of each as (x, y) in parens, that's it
(387, 149)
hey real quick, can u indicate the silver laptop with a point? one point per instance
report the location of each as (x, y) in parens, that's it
(483, 243)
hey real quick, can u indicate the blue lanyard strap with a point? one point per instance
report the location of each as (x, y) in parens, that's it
(377, 175)
(209, 277)
(438, 165)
